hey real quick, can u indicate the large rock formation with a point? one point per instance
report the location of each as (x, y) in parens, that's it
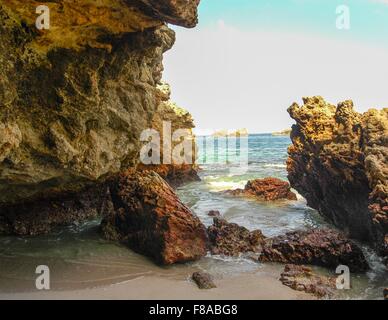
(74, 99)
(339, 163)
(144, 212)
(322, 247)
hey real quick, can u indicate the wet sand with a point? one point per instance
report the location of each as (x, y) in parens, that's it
(252, 286)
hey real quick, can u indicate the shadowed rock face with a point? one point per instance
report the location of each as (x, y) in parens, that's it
(144, 212)
(74, 99)
(326, 248)
(339, 163)
(230, 239)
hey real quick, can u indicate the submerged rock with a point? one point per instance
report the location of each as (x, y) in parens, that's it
(203, 280)
(214, 213)
(302, 278)
(230, 239)
(339, 163)
(268, 189)
(144, 212)
(321, 247)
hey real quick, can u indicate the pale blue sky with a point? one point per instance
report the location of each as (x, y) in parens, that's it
(248, 60)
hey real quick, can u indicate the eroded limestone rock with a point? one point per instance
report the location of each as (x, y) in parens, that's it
(339, 163)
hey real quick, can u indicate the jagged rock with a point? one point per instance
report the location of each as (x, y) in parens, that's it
(203, 280)
(214, 213)
(339, 163)
(230, 239)
(31, 218)
(144, 212)
(302, 278)
(321, 247)
(74, 99)
(268, 189)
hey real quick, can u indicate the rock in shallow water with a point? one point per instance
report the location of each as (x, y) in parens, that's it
(321, 247)
(144, 212)
(339, 163)
(230, 239)
(302, 278)
(268, 189)
(203, 280)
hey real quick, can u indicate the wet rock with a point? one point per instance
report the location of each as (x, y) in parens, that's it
(144, 212)
(230, 239)
(268, 189)
(385, 294)
(339, 163)
(43, 215)
(203, 280)
(321, 247)
(214, 213)
(302, 278)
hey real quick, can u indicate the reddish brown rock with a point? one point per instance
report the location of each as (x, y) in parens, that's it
(339, 163)
(322, 247)
(302, 278)
(144, 212)
(385, 294)
(203, 280)
(230, 239)
(268, 189)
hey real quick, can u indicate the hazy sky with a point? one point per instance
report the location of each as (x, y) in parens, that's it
(249, 60)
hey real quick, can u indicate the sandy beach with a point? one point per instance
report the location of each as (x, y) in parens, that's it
(255, 286)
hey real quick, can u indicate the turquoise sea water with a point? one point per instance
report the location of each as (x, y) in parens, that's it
(79, 258)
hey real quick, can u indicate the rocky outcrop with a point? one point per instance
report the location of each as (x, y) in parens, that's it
(144, 212)
(268, 189)
(75, 98)
(321, 247)
(203, 280)
(339, 163)
(302, 278)
(230, 239)
(31, 218)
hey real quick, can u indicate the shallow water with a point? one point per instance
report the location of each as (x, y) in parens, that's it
(78, 258)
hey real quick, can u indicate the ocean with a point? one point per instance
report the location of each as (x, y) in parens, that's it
(78, 258)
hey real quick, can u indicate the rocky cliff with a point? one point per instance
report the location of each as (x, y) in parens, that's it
(75, 98)
(339, 163)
